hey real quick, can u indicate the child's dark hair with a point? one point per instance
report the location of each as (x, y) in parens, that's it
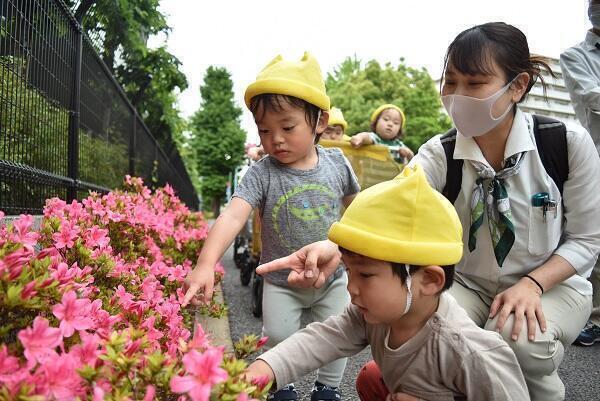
(399, 270)
(400, 132)
(474, 50)
(270, 101)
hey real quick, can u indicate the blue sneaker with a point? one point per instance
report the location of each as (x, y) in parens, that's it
(286, 393)
(323, 392)
(589, 335)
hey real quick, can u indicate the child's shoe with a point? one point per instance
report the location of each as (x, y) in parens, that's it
(286, 393)
(589, 335)
(323, 392)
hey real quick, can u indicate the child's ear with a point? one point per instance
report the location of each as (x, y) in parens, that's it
(323, 122)
(432, 280)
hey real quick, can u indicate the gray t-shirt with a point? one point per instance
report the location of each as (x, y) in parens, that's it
(297, 207)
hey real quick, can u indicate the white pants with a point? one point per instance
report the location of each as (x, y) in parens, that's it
(566, 313)
(282, 310)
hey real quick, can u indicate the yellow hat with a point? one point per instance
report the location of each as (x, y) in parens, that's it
(402, 221)
(336, 117)
(383, 107)
(301, 79)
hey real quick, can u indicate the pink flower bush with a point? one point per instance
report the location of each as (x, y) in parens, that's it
(203, 372)
(90, 304)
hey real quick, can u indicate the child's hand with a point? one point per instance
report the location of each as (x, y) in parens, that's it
(356, 141)
(200, 280)
(405, 152)
(259, 369)
(401, 397)
(317, 260)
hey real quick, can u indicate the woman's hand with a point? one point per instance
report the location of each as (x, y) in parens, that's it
(311, 265)
(524, 300)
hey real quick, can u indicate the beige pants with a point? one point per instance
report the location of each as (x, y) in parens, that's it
(566, 313)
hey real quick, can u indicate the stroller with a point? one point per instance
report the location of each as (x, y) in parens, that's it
(372, 164)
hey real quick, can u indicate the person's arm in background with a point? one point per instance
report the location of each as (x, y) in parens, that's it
(584, 88)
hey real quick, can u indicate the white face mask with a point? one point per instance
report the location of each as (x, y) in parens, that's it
(594, 15)
(472, 116)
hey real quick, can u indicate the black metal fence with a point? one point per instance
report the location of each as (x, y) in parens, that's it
(66, 126)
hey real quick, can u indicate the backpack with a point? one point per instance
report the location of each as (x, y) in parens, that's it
(551, 142)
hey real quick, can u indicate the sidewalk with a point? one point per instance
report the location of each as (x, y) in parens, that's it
(217, 329)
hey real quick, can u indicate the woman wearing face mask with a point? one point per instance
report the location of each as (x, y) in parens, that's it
(530, 239)
(528, 245)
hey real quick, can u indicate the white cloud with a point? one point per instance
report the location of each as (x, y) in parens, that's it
(244, 35)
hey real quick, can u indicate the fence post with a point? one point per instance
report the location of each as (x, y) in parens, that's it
(73, 150)
(74, 118)
(132, 140)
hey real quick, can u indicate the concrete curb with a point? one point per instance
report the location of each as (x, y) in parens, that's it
(217, 328)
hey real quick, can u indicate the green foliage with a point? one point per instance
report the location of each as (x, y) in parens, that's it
(151, 78)
(359, 90)
(217, 136)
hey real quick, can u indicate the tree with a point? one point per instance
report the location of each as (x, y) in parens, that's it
(359, 90)
(217, 136)
(150, 77)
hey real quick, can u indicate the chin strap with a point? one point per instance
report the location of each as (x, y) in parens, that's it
(409, 292)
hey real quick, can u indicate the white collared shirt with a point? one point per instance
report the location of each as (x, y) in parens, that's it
(580, 65)
(575, 232)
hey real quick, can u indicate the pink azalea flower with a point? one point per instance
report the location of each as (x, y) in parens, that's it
(29, 290)
(73, 314)
(21, 232)
(203, 372)
(96, 237)
(87, 352)
(262, 341)
(8, 364)
(261, 382)
(150, 393)
(60, 378)
(40, 340)
(66, 237)
(14, 262)
(200, 340)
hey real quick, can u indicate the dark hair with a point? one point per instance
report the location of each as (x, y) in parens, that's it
(400, 132)
(473, 51)
(399, 270)
(271, 101)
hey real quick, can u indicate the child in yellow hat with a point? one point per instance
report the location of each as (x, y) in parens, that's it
(300, 189)
(336, 127)
(387, 126)
(399, 242)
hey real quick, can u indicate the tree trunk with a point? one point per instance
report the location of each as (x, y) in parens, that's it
(216, 206)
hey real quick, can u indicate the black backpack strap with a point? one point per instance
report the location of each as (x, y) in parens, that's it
(551, 141)
(454, 167)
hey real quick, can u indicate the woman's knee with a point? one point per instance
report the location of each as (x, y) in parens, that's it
(540, 357)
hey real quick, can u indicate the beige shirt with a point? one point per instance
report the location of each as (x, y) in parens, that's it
(450, 358)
